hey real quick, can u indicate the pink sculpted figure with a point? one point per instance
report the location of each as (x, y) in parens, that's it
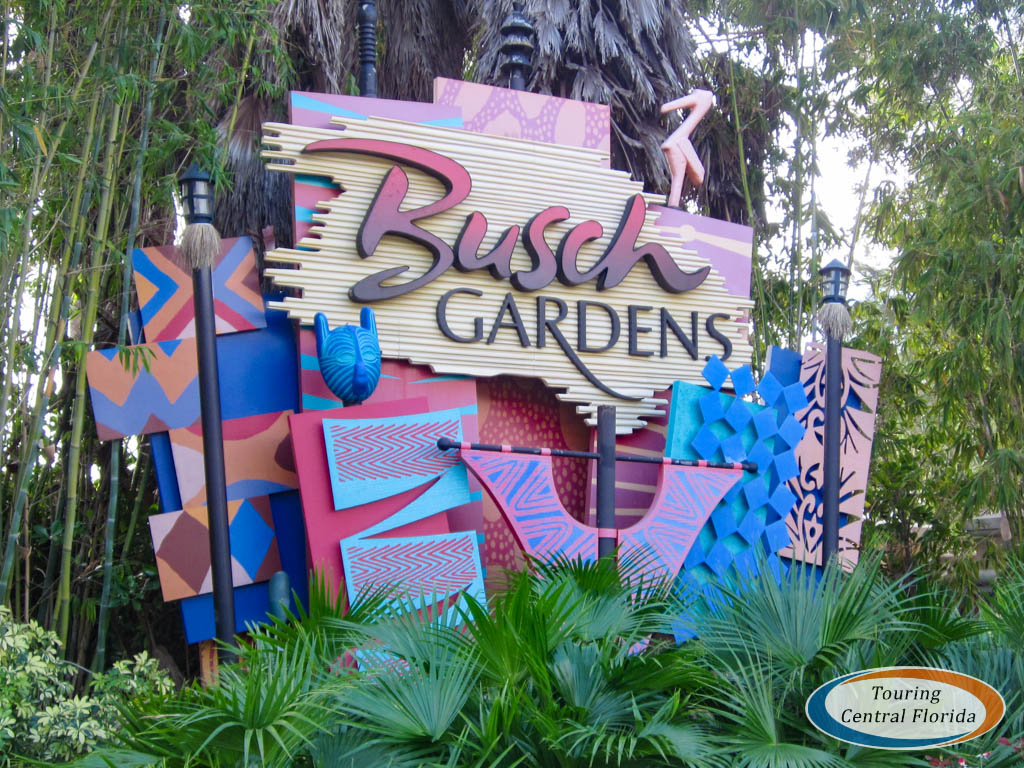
(682, 157)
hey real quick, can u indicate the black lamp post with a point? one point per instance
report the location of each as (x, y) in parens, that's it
(834, 319)
(200, 246)
(368, 49)
(517, 48)
(607, 538)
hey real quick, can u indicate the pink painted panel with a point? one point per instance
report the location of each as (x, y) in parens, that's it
(725, 244)
(520, 411)
(523, 115)
(659, 543)
(635, 483)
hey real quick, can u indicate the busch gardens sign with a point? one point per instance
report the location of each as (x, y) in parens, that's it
(484, 255)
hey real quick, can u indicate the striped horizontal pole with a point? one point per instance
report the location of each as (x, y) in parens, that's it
(445, 443)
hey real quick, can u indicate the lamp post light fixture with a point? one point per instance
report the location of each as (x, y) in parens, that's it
(196, 195)
(516, 48)
(200, 246)
(834, 319)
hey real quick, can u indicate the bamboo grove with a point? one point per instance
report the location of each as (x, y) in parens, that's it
(102, 104)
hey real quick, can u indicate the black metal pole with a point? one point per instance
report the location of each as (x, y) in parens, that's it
(830, 470)
(606, 480)
(368, 49)
(213, 457)
(445, 443)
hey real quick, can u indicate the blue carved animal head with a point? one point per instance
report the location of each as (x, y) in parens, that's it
(349, 357)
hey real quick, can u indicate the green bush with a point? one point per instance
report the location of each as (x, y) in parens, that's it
(567, 668)
(40, 715)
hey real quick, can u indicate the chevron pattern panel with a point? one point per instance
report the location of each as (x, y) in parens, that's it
(164, 288)
(257, 458)
(659, 543)
(373, 459)
(422, 510)
(524, 489)
(424, 568)
(181, 543)
(143, 389)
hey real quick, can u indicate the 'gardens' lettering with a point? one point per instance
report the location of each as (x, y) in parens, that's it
(508, 324)
(386, 217)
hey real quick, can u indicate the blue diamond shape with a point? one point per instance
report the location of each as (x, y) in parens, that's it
(738, 415)
(761, 456)
(786, 467)
(764, 423)
(796, 398)
(782, 500)
(792, 431)
(731, 494)
(711, 407)
(776, 536)
(719, 558)
(756, 493)
(250, 538)
(715, 372)
(705, 443)
(695, 556)
(751, 527)
(724, 521)
(732, 448)
(745, 563)
(742, 381)
(769, 389)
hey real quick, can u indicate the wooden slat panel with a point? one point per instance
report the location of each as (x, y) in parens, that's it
(513, 180)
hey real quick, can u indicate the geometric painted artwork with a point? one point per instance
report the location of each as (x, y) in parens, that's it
(859, 395)
(183, 561)
(257, 458)
(164, 288)
(164, 396)
(523, 488)
(433, 568)
(707, 423)
(515, 410)
(136, 401)
(375, 458)
(329, 526)
(659, 542)
(252, 601)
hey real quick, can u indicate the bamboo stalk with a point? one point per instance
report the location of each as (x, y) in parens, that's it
(79, 404)
(103, 622)
(146, 462)
(38, 182)
(60, 307)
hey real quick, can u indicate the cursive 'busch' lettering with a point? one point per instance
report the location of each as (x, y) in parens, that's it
(386, 217)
